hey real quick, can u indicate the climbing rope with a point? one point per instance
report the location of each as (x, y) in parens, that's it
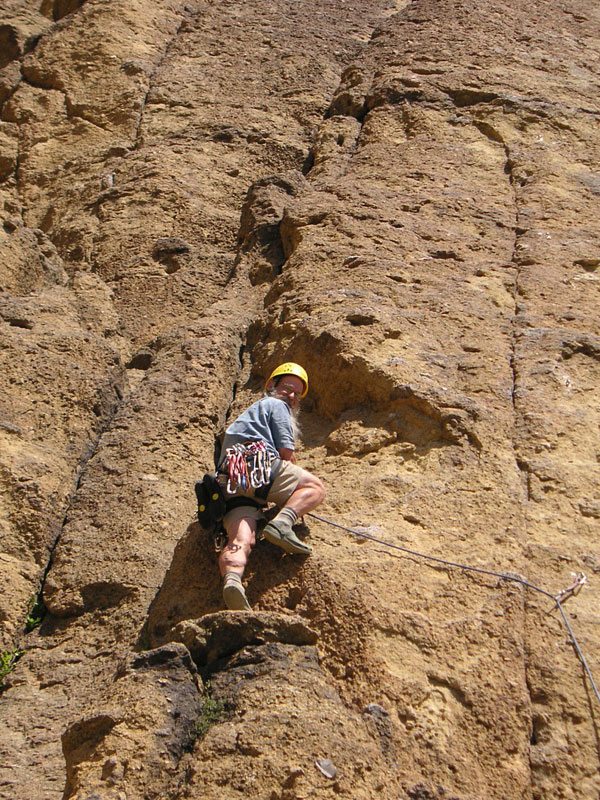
(559, 599)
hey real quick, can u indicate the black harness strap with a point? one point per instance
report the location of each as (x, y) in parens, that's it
(237, 502)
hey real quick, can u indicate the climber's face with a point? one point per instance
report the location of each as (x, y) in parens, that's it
(289, 389)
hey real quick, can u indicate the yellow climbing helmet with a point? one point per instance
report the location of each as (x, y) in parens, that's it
(289, 368)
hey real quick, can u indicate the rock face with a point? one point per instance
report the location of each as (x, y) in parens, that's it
(402, 196)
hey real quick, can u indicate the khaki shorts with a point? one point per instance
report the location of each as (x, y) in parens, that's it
(286, 477)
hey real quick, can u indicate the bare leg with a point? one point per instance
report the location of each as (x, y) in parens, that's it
(242, 538)
(308, 494)
(232, 562)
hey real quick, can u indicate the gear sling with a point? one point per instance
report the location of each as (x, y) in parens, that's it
(244, 466)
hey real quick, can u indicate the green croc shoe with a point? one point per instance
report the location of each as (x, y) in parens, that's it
(283, 536)
(234, 595)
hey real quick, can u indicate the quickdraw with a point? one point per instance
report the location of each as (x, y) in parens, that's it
(247, 465)
(572, 591)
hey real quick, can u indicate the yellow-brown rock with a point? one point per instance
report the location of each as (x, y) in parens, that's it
(402, 196)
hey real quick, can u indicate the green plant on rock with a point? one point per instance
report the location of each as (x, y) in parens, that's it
(8, 659)
(213, 711)
(36, 613)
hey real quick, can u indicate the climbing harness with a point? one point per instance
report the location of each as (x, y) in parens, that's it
(559, 599)
(244, 467)
(247, 466)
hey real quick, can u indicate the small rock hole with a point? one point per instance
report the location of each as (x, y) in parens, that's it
(18, 322)
(141, 360)
(589, 264)
(294, 598)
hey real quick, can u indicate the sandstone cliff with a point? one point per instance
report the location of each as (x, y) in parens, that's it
(402, 196)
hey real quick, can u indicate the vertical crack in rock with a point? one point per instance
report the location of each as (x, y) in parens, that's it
(522, 467)
(492, 133)
(17, 182)
(231, 401)
(260, 244)
(187, 13)
(85, 459)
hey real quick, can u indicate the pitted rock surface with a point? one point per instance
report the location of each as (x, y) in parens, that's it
(401, 196)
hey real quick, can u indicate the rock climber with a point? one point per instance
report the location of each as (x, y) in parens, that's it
(260, 447)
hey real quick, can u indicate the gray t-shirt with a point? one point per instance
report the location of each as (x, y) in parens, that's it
(269, 420)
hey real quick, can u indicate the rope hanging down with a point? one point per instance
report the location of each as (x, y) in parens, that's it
(558, 599)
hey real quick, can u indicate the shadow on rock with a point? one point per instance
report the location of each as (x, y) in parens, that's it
(191, 587)
(192, 584)
(218, 636)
